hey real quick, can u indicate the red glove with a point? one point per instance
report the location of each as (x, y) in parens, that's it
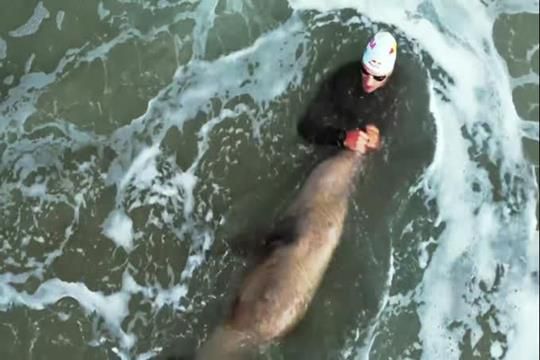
(362, 141)
(351, 138)
(356, 140)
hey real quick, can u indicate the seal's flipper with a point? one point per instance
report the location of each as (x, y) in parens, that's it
(283, 233)
(248, 244)
(258, 243)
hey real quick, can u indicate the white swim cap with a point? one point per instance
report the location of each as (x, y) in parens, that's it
(380, 54)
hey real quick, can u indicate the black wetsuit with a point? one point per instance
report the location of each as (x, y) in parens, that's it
(342, 105)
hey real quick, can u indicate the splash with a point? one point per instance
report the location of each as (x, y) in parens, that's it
(32, 25)
(141, 174)
(475, 117)
(477, 285)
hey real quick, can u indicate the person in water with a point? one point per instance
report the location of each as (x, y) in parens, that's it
(345, 112)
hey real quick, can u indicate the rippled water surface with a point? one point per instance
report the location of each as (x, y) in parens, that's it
(145, 144)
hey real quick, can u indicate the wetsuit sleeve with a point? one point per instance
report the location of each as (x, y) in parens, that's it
(320, 123)
(347, 105)
(313, 128)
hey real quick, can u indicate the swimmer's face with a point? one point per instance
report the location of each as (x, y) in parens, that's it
(370, 82)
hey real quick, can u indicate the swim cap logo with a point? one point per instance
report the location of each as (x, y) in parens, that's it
(372, 44)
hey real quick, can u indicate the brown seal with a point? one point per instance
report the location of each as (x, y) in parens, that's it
(276, 294)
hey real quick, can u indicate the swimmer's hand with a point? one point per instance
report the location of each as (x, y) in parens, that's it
(374, 142)
(363, 141)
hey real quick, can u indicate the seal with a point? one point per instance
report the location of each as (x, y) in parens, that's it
(275, 295)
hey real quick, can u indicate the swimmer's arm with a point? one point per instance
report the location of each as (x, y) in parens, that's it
(318, 125)
(332, 113)
(363, 141)
(313, 130)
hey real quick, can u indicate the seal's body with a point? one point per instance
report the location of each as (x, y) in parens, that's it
(276, 294)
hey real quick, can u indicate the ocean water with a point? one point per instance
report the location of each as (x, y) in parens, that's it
(145, 145)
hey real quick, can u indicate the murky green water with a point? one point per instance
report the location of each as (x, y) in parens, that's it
(144, 143)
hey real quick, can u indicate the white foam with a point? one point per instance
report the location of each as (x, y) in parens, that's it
(423, 254)
(197, 254)
(531, 130)
(171, 296)
(159, 296)
(112, 308)
(523, 321)
(191, 91)
(449, 176)
(205, 15)
(517, 6)
(21, 100)
(496, 350)
(187, 182)
(119, 228)
(102, 12)
(36, 190)
(478, 231)
(29, 62)
(33, 23)
(3, 49)
(149, 354)
(209, 216)
(60, 19)
(143, 168)
(8, 79)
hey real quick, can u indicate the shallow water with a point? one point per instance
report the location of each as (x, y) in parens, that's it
(143, 142)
